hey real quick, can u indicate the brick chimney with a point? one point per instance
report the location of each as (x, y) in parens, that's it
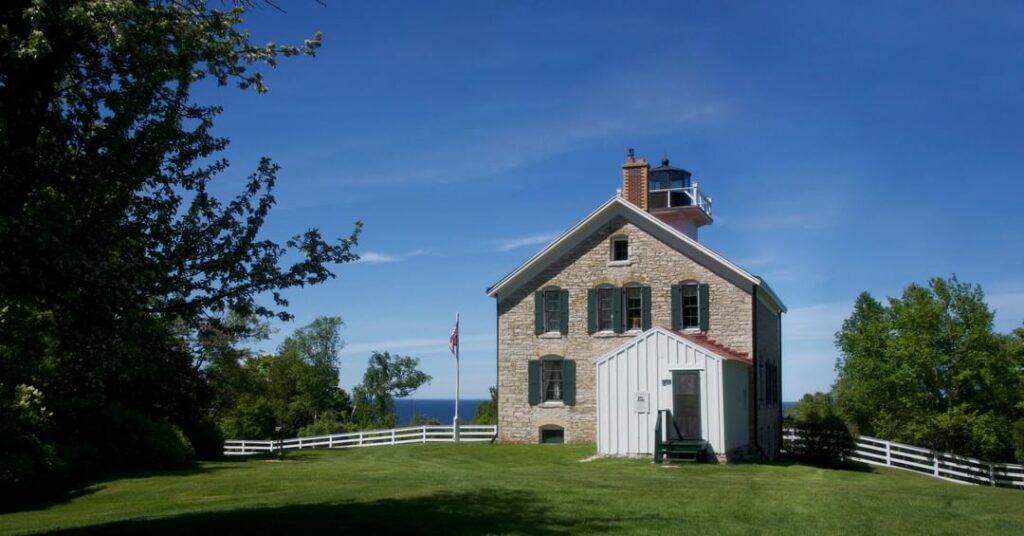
(634, 180)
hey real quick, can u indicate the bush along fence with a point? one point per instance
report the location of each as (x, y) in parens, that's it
(366, 438)
(942, 465)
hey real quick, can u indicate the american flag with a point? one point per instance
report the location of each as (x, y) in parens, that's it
(453, 341)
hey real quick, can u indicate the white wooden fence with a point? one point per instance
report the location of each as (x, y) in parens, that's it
(942, 465)
(366, 438)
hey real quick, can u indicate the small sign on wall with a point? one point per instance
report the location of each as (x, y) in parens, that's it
(641, 402)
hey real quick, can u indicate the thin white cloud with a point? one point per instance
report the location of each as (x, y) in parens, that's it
(373, 257)
(423, 253)
(509, 244)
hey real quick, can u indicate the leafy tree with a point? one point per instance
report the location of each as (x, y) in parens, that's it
(927, 368)
(116, 252)
(387, 377)
(294, 388)
(487, 411)
(821, 435)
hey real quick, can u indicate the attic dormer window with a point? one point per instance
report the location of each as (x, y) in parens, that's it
(620, 249)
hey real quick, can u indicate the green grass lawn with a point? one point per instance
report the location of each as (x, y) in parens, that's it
(508, 489)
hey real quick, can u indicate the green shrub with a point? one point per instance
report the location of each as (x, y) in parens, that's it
(821, 436)
(30, 468)
(423, 420)
(485, 413)
(326, 424)
(206, 439)
(252, 418)
(122, 440)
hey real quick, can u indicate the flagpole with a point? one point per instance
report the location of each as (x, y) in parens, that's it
(457, 344)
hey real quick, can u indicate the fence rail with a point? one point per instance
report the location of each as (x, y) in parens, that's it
(942, 465)
(367, 438)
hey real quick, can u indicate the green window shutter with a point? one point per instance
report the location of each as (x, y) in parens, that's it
(704, 302)
(564, 306)
(534, 381)
(677, 307)
(568, 382)
(617, 320)
(538, 312)
(591, 311)
(645, 315)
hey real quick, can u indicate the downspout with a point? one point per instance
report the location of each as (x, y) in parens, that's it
(757, 403)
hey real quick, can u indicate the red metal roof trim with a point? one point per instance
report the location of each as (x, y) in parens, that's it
(717, 347)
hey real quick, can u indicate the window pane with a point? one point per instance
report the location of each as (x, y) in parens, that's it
(552, 379)
(634, 308)
(691, 308)
(552, 311)
(604, 309)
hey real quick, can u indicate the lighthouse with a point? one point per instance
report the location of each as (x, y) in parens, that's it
(667, 192)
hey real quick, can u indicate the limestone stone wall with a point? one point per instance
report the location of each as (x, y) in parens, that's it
(652, 263)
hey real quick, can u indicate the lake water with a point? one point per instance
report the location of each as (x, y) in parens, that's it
(438, 408)
(444, 409)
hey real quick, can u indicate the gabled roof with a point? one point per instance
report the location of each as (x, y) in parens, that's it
(617, 206)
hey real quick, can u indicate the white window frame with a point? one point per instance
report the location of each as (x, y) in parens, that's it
(544, 381)
(682, 305)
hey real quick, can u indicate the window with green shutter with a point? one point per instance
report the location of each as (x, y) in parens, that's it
(563, 310)
(533, 382)
(551, 311)
(689, 306)
(677, 307)
(552, 379)
(591, 311)
(633, 307)
(604, 319)
(569, 382)
(616, 313)
(704, 302)
(645, 315)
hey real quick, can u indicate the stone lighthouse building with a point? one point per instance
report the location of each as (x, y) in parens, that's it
(626, 317)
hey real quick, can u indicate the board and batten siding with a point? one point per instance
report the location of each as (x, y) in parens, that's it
(645, 365)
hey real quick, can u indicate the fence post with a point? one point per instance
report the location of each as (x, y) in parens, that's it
(392, 436)
(935, 462)
(360, 438)
(888, 453)
(424, 433)
(243, 448)
(330, 441)
(992, 474)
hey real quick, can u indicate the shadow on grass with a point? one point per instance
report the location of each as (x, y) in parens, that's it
(487, 511)
(848, 465)
(48, 499)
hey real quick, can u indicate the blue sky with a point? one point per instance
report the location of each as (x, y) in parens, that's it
(848, 147)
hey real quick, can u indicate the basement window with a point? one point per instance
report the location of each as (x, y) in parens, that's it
(553, 435)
